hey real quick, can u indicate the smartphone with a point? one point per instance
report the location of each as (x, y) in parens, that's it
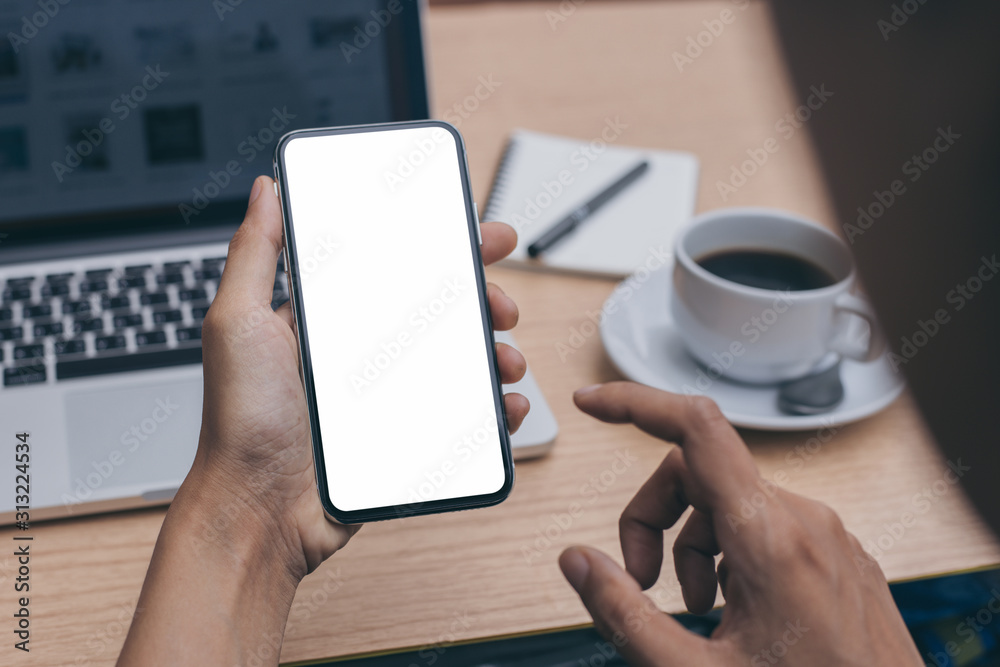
(382, 250)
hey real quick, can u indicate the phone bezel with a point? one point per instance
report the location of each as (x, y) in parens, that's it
(294, 280)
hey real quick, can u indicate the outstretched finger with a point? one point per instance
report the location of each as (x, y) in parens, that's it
(721, 469)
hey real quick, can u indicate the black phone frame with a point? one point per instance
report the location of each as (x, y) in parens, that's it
(294, 280)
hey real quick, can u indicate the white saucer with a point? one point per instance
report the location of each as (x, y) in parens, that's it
(640, 339)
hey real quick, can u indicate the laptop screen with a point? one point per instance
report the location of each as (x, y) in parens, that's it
(162, 112)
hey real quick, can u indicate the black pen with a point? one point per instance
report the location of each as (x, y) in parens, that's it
(571, 221)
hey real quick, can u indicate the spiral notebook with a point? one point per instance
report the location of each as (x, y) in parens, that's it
(542, 178)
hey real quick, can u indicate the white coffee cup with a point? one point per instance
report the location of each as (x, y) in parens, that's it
(763, 336)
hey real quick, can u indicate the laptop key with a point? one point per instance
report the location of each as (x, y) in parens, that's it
(75, 307)
(36, 310)
(207, 273)
(113, 342)
(199, 312)
(89, 286)
(20, 282)
(143, 338)
(173, 267)
(170, 278)
(188, 334)
(88, 324)
(6, 314)
(137, 268)
(123, 363)
(129, 281)
(21, 375)
(43, 329)
(55, 289)
(58, 277)
(34, 351)
(153, 298)
(74, 346)
(129, 320)
(121, 302)
(164, 316)
(12, 333)
(94, 274)
(196, 294)
(17, 294)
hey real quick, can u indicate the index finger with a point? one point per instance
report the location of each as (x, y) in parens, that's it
(720, 466)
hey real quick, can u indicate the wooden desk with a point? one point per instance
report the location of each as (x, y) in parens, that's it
(421, 581)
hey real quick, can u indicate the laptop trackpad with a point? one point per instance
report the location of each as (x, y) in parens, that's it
(135, 435)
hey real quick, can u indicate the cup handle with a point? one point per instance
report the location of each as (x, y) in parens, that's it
(853, 305)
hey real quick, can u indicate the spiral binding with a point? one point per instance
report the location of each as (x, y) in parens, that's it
(500, 178)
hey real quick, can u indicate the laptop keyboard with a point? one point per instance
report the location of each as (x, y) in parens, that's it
(67, 322)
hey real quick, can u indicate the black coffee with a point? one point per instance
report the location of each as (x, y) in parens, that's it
(766, 269)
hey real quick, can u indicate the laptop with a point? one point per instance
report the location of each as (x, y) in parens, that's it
(130, 134)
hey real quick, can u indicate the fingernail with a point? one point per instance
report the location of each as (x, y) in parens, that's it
(583, 391)
(575, 567)
(255, 190)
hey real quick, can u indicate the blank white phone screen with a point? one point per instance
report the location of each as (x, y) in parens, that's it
(392, 313)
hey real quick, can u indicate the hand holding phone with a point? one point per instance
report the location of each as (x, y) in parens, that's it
(254, 470)
(397, 355)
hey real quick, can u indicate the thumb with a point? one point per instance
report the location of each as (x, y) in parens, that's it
(642, 633)
(248, 278)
